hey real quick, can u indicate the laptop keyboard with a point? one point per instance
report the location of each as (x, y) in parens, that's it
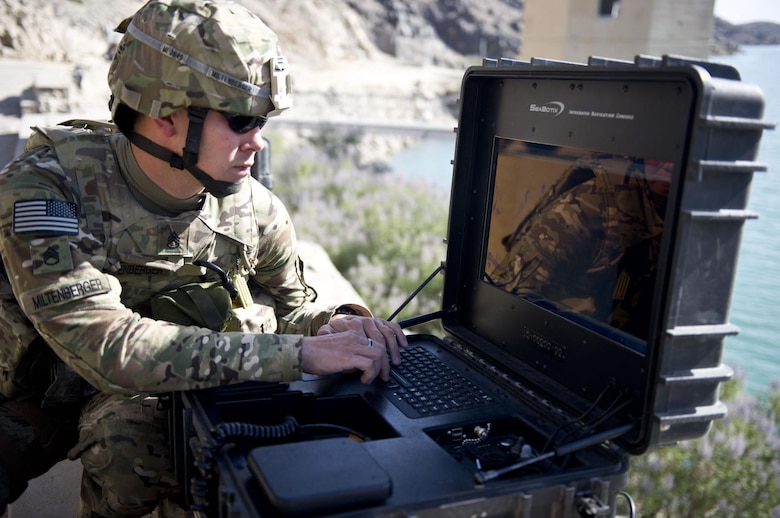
(423, 386)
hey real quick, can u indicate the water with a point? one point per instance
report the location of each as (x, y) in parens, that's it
(755, 306)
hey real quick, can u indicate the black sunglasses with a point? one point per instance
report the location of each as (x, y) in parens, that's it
(244, 123)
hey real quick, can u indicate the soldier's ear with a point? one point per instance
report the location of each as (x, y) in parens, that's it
(177, 122)
(167, 126)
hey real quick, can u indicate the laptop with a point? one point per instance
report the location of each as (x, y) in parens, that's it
(595, 218)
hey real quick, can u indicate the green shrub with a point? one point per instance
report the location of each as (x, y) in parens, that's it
(384, 232)
(733, 471)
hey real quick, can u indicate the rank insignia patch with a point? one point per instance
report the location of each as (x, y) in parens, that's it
(51, 255)
(172, 238)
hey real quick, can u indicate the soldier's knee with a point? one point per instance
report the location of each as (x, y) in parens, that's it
(125, 455)
(122, 479)
(110, 492)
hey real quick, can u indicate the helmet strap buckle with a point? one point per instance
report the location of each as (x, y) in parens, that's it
(197, 117)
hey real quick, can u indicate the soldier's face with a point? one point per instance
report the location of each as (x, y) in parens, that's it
(659, 176)
(226, 154)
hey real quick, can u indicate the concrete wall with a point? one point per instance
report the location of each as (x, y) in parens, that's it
(683, 27)
(573, 30)
(545, 28)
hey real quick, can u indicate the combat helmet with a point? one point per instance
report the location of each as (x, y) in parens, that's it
(198, 55)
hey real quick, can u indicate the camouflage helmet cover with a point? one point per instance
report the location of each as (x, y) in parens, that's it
(210, 54)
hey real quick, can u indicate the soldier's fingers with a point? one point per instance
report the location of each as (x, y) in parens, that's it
(391, 344)
(400, 337)
(377, 351)
(326, 330)
(370, 360)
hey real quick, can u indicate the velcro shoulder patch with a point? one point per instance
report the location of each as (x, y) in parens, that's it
(42, 216)
(70, 290)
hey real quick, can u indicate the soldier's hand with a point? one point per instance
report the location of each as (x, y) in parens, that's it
(385, 335)
(351, 342)
(345, 351)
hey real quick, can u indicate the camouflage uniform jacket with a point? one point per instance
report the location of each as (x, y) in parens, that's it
(84, 259)
(579, 247)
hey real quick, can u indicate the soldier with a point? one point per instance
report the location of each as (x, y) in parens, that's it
(591, 244)
(147, 260)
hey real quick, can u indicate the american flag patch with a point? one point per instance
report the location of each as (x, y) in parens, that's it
(46, 216)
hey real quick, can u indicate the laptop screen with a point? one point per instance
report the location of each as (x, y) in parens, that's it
(563, 224)
(578, 233)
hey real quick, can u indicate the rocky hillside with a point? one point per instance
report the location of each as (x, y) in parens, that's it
(373, 59)
(728, 37)
(317, 33)
(757, 33)
(323, 31)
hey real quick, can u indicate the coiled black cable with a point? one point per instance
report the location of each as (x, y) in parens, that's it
(202, 491)
(236, 430)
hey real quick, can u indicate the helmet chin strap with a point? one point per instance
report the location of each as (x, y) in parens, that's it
(189, 158)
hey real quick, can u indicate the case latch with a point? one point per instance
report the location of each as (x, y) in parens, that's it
(590, 506)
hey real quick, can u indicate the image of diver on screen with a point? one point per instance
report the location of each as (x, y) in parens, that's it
(577, 231)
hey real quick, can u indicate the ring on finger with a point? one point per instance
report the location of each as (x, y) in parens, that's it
(370, 342)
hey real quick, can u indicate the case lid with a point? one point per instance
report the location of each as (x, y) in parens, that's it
(595, 220)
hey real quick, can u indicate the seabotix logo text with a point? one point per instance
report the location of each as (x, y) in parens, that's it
(554, 108)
